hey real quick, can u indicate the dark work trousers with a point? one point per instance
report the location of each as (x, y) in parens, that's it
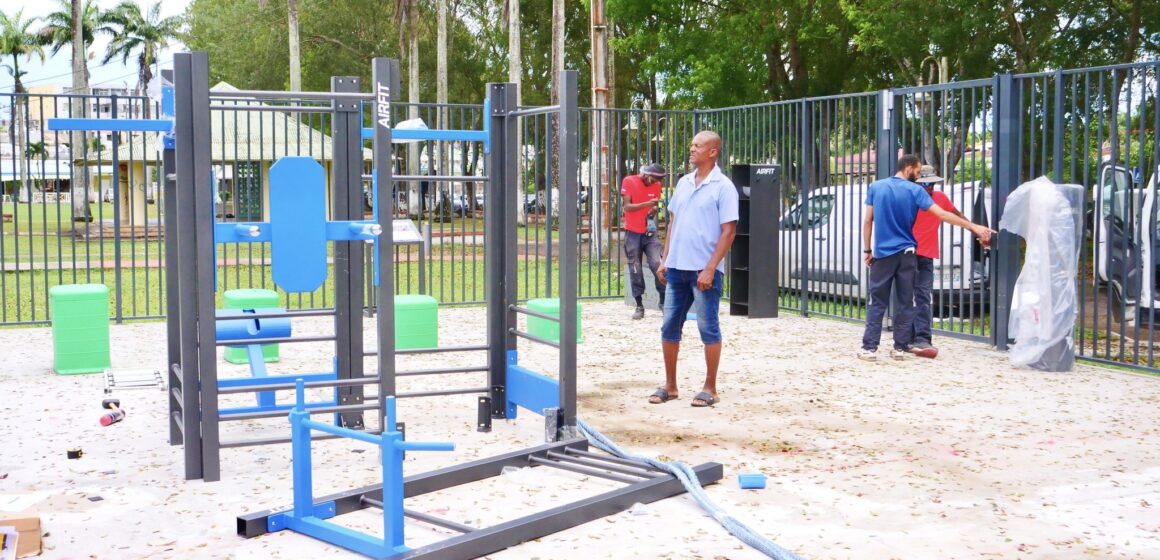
(637, 247)
(923, 284)
(894, 272)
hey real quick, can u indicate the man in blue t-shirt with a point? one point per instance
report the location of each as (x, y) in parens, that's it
(892, 204)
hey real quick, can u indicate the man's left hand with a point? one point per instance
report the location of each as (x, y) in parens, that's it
(705, 279)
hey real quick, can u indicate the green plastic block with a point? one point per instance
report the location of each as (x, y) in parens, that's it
(251, 299)
(416, 322)
(544, 328)
(80, 328)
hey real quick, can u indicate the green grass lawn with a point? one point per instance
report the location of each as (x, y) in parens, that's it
(42, 234)
(143, 290)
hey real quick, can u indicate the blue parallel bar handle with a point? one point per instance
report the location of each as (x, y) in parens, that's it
(241, 232)
(424, 446)
(355, 230)
(122, 125)
(343, 432)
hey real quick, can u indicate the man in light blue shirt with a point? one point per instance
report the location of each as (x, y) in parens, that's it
(702, 224)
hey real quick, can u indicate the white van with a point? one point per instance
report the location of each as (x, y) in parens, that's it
(1124, 238)
(831, 227)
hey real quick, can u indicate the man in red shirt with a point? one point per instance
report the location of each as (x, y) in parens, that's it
(926, 227)
(640, 195)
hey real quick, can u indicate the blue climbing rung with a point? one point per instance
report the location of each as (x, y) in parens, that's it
(431, 134)
(121, 125)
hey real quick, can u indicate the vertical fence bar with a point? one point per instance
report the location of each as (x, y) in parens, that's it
(1007, 144)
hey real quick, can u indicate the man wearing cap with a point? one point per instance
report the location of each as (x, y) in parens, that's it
(892, 204)
(926, 226)
(640, 195)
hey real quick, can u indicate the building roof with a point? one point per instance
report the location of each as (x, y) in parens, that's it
(238, 135)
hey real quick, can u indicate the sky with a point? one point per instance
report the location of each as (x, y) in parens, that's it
(58, 69)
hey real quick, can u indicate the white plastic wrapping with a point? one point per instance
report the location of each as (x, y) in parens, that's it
(1043, 308)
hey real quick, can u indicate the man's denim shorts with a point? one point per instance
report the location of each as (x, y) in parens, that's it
(681, 295)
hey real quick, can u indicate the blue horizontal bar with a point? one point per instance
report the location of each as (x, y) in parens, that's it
(530, 390)
(272, 408)
(322, 510)
(350, 230)
(275, 380)
(431, 134)
(232, 232)
(122, 125)
(343, 432)
(402, 445)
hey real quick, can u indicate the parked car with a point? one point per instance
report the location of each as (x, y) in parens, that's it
(458, 204)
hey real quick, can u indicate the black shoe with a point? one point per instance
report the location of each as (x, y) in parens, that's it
(639, 313)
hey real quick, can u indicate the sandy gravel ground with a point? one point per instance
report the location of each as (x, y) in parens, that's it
(961, 457)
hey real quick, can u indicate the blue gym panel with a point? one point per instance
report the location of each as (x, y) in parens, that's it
(531, 390)
(298, 221)
(121, 125)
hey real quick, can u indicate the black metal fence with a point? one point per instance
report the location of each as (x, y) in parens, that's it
(1095, 127)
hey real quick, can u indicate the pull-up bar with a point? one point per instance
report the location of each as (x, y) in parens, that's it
(119, 125)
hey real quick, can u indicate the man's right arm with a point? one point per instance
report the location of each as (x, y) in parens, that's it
(983, 232)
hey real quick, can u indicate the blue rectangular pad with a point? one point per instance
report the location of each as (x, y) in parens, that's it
(298, 223)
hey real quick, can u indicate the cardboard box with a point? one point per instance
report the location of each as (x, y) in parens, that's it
(28, 525)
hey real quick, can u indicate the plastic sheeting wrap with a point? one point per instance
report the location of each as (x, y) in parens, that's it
(1043, 308)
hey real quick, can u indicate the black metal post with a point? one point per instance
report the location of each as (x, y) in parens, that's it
(184, 264)
(346, 204)
(385, 77)
(569, 255)
(203, 209)
(500, 233)
(1005, 248)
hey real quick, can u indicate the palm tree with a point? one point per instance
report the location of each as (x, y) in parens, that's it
(36, 150)
(18, 40)
(74, 23)
(140, 34)
(58, 26)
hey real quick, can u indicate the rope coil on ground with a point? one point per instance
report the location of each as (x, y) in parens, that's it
(688, 478)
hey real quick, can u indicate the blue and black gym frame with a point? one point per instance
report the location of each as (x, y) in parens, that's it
(196, 329)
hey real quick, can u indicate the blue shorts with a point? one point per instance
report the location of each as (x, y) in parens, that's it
(680, 296)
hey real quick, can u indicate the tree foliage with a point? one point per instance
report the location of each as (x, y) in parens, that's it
(688, 53)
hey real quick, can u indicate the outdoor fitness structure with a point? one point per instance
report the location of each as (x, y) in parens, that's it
(298, 233)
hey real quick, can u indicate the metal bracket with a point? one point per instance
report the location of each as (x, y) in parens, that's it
(483, 423)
